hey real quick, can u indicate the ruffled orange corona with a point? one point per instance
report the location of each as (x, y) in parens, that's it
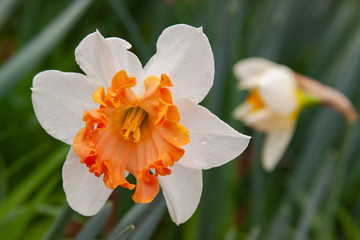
(141, 135)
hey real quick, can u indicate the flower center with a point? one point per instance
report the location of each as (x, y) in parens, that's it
(133, 134)
(131, 128)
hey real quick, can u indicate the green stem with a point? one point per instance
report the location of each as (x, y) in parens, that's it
(308, 100)
(338, 183)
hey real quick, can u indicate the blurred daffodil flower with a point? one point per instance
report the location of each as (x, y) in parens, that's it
(276, 96)
(272, 106)
(121, 118)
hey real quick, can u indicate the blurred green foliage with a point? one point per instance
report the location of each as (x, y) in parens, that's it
(311, 195)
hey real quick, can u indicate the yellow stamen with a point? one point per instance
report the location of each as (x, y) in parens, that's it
(131, 127)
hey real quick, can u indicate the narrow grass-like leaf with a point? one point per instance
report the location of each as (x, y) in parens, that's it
(16, 228)
(6, 8)
(60, 223)
(257, 184)
(316, 197)
(254, 233)
(353, 178)
(3, 180)
(217, 180)
(222, 32)
(338, 28)
(231, 233)
(136, 212)
(95, 224)
(280, 225)
(334, 199)
(32, 53)
(34, 181)
(126, 233)
(131, 26)
(27, 158)
(146, 227)
(350, 226)
(140, 215)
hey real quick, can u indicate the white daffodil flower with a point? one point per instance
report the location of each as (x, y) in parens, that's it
(272, 105)
(121, 118)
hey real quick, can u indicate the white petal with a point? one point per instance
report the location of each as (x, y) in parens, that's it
(249, 69)
(277, 88)
(95, 59)
(264, 120)
(85, 192)
(102, 58)
(250, 82)
(184, 54)
(212, 141)
(59, 101)
(252, 66)
(242, 110)
(116, 42)
(126, 60)
(182, 192)
(275, 145)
